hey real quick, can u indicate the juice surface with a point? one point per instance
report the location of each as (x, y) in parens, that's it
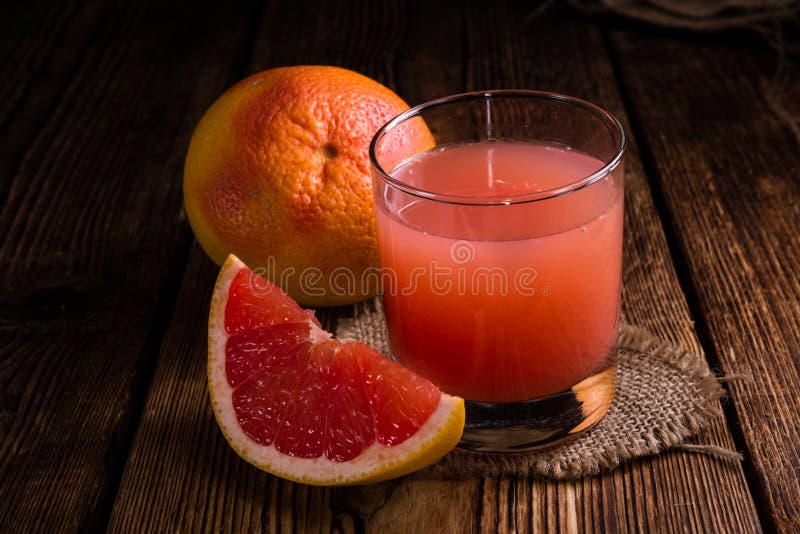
(505, 302)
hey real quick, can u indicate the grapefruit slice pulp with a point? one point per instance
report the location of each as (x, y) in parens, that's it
(303, 406)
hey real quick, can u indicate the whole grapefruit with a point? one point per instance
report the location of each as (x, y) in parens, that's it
(278, 173)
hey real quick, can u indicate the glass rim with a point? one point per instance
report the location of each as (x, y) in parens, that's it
(585, 181)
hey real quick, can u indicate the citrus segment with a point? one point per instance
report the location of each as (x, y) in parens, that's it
(252, 305)
(401, 401)
(248, 352)
(309, 408)
(350, 426)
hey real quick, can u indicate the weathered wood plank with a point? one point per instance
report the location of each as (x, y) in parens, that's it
(40, 45)
(557, 53)
(429, 63)
(182, 476)
(92, 234)
(728, 172)
(167, 487)
(211, 489)
(29, 36)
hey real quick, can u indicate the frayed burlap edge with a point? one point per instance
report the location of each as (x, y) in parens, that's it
(665, 394)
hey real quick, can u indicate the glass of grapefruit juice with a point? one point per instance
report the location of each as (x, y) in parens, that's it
(501, 250)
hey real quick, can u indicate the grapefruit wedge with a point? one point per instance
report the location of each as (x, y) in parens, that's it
(303, 406)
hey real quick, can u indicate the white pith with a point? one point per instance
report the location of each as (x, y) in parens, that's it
(320, 470)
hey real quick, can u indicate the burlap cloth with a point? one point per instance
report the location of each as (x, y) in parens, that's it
(664, 395)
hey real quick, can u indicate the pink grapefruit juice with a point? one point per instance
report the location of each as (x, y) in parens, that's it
(510, 301)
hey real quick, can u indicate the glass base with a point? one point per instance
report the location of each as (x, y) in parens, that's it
(539, 423)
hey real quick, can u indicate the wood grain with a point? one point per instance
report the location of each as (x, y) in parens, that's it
(501, 51)
(210, 489)
(40, 46)
(92, 235)
(182, 476)
(728, 172)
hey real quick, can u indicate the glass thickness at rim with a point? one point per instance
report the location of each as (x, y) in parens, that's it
(606, 118)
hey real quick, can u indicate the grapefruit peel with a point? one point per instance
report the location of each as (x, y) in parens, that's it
(435, 438)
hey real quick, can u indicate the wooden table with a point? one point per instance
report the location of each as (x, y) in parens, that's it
(104, 416)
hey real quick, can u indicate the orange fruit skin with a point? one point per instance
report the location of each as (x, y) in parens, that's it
(278, 173)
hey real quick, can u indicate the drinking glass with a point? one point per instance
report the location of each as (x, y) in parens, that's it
(500, 240)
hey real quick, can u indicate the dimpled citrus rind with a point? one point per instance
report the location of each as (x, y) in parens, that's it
(278, 173)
